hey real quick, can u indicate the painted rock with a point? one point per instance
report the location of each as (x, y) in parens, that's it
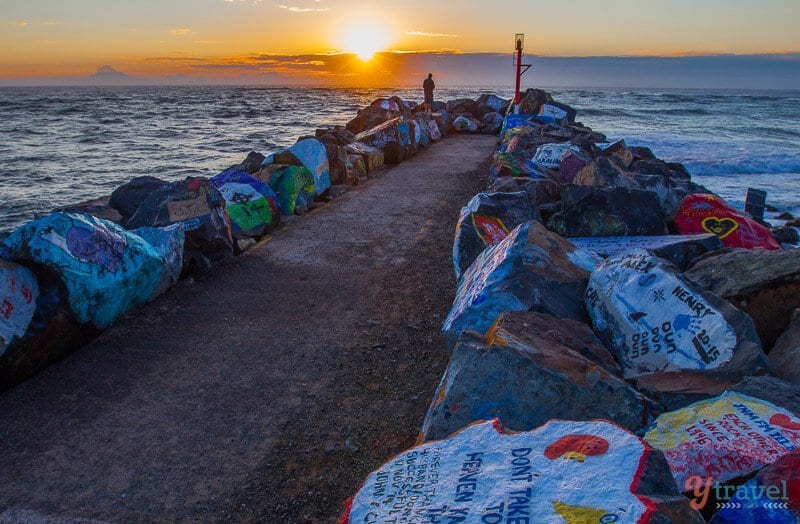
(250, 203)
(493, 101)
(356, 167)
(197, 204)
(378, 112)
(293, 186)
(169, 244)
(550, 155)
(540, 190)
(554, 112)
(127, 198)
(785, 355)
(392, 137)
(422, 133)
(523, 375)
(724, 438)
(615, 211)
(491, 123)
(704, 213)
(465, 124)
(311, 154)
(373, 157)
(513, 164)
(485, 221)
(19, 291)
(763, 284)
(106, 270)
(531, 268)
(483, 474)
(678, 249)
(434, 131)
(655, 320)
(570, 165)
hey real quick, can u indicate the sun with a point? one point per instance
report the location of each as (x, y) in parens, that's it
(364, 41)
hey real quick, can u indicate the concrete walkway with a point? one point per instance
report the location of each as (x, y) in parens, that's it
(267, 390)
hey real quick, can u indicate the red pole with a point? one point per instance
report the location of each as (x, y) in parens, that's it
(519, 76)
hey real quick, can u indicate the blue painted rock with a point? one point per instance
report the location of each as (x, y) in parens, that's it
(19, 291)
(392, 137)
(655, 321)
(523, 372)
(106, 270)
(373, 157)
(434, 131)
(531, 269)
(727, 437)
(681, 250)
(561, 472)
(485, 221)
(250, 203)
(422, 133)
(554, 112)
(491, 123)
(309, 153)
(197, 204)
(127, 198)
(292, 184)
(169, 244)
(466, 124)
(494, 102)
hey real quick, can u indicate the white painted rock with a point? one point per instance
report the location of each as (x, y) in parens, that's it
(556, 113)
(550, 155)
(655, 320)
(724, 438)
(561, 472)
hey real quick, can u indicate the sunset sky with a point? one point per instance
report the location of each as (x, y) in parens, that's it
(234, 38)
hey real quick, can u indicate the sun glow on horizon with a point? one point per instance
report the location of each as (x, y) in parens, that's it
(364, 40)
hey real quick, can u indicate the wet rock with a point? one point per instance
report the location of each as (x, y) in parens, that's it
(703, 213)
(293, 186)
(531, 269)
(127, 198)
(785, 355)
(309, 153)
(681, 250)
(485, 221)
(615, 211)
(251, 204)
(373, 157)
(106, 270)
(724, 438)
(483, 474)
(392, 137)
(200, 207)
(763, 284)
(656, 320)
(524, 378)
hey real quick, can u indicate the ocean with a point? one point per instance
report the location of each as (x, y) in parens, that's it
(65, 145)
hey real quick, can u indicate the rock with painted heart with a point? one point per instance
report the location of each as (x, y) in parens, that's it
(309, 153)
(706, 213)
(764, 284)
(168, 243)
(127, 198)
(106, 270)
(531, 269)
(485, 474)
(785, 355)
(523, 371)
(657, 321)
(197, 204)
(608, 212)
(373, 157)
(485, 221)
(250, 204)
(392, 137)
(681, 250)
(724, 438)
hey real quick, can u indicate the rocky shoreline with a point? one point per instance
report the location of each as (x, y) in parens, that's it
(623, 348)
(623, 343)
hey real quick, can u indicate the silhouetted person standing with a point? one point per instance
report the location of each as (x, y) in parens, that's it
(429, 86)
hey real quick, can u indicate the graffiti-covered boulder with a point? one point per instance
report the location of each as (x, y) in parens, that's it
(356, 167)
(521, 374)
(19, 291)
(434, 131)
(540, 190)
(421, 132)
(729, 436)
(705, 213)
(610, 212)
(620, 150)
(466, 124)
(293, 186)
(518, 165)
(571, 164)
(392, 137)
(550, 155)
(764, 284)
(486, 220)
(681, 250)
(378, 112)
(309, 153)
(127, 198)
(106, 270)
(197, 204)
(493, 102)
(250, 203)
(373, 157)
(655, 320)
(785, 355)
(491, 123)
(169, 244)
(484, 474)
(531, 269)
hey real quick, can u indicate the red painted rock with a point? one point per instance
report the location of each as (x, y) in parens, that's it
(561, 472)
(704, 213)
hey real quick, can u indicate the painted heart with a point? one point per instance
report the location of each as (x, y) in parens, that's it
(722, 227)
(783, 420)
